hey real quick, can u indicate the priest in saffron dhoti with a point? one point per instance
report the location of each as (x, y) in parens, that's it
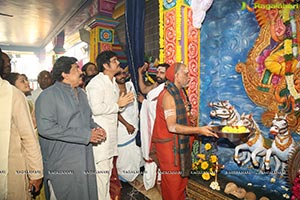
(171, 134)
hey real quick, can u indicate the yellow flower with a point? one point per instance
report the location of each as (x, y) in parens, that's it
(205, 162)
(286, 14)
(211, 172)
(194, 166)
(288, 46)
(207, 146)
(204, 165)
(201, 156)
(205, 176)
(213, 158)
(275, 62)
(199, 162)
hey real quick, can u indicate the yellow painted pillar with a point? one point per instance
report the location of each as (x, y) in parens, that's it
(102, 35)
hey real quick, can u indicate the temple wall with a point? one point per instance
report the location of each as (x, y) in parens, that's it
(151, 29)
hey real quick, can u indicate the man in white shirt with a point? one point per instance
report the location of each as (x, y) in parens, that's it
(147, 117)
(105, 102)
(129, 154)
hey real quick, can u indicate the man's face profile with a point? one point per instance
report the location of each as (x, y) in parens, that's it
(161, 75)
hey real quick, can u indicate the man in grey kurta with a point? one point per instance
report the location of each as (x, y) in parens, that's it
(67, 132)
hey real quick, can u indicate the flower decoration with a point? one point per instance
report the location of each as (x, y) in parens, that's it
(206, 163)
(286, 14)
(290, 40)
(288, 32)
(275, 79)
(288, 46)
(261, 61)
(161, 31)
(215, 185)
(207, 146)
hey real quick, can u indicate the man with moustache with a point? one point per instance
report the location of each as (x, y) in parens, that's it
(67, 132)
(129, 154)
(147, 117)
(105, 102)
(171, 133)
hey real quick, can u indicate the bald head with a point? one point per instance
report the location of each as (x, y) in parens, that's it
(182, 77)
(178, 73)
(45, 79)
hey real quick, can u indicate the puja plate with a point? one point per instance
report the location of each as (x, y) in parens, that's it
(235, 138)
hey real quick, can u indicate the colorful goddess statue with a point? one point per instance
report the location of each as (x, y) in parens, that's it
(271, 72)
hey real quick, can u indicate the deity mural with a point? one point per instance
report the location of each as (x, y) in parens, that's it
(254, 63)
(271, 79)
(271, 74)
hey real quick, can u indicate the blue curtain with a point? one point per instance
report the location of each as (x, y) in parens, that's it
(135, 37)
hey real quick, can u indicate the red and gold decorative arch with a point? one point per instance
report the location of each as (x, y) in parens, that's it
(180, 42)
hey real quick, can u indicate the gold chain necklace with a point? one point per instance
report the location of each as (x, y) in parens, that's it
(254, 140)
(282, 147)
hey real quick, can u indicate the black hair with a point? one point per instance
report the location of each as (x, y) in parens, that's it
(12, 77)
(166, 65)
(1, 63)
(62, 64)
(84, 67)
(104, 58)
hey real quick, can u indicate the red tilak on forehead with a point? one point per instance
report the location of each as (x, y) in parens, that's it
(161, 69)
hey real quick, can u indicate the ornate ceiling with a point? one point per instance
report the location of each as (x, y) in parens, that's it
(29, 25)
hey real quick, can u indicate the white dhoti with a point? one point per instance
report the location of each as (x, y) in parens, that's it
(147, 118)
(129, 154)
(128, 162)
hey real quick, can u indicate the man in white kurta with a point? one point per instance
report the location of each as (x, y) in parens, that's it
(104, 100)
(20, 160)
(147, 115)
(129, 154)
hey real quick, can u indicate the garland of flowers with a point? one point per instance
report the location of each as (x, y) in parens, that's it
(178, 30)
(186, 31)
(291, 88)
(294, 34)
(290, 42)
(287, 43)
(290, 50)
(161, 31)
